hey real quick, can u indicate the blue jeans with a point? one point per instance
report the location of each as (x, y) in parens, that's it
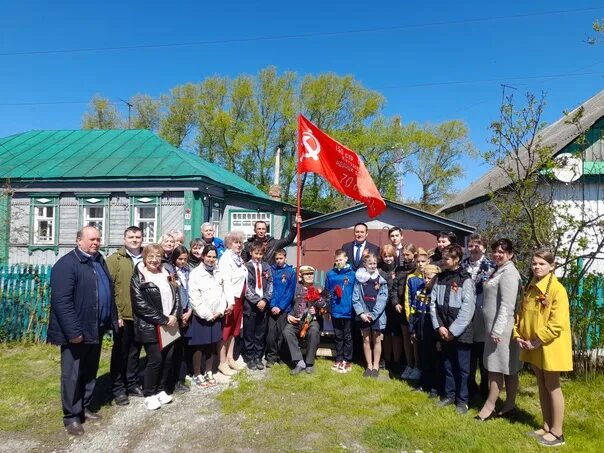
(456, 366)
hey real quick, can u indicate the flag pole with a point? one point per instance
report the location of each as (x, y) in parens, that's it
(299, 203)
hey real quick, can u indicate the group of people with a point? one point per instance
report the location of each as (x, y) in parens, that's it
(431, 317)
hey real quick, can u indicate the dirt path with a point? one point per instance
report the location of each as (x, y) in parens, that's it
(191, 420)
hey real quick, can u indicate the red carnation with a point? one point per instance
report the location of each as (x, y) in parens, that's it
(338, 291)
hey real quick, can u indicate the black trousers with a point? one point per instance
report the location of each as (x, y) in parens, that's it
(158, 369)
(477, 362)
(255, 323)
(430, 361)
(180, 364)
(313, 337)
(79, 365)
(456, 367)
(357, 342)
(274, 338)
(124, 360)
(342, 329)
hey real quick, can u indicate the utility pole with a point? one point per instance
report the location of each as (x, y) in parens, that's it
(129, 109)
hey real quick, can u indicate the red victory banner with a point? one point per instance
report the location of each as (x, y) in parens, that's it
(319, 153)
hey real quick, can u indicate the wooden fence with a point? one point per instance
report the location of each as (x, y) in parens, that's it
(24, 302)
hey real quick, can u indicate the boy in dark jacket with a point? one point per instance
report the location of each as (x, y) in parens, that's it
(258, 295)
(452, 305)
(339, 281)
(284, 287)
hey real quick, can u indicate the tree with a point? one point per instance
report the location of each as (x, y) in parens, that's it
(101, 114)
(146, 112)
(435, 152)
(598, 28)
(238, 124)
(526, 206)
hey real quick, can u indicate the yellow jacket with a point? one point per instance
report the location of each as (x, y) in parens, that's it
(550, 323)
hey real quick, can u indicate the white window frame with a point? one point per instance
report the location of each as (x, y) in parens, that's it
(244, 221)
(144, 222)
(44, 204)
(216, 217)
(88, 202)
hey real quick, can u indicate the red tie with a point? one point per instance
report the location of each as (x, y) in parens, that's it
(258, 277)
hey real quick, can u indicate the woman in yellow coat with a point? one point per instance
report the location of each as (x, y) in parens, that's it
(543, 333)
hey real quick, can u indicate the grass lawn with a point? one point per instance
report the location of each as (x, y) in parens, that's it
(30, 389)
(333, 412)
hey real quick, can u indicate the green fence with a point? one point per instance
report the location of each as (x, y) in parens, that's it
(24, 302)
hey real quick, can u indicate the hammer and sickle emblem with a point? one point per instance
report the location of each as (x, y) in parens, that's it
(311, 145)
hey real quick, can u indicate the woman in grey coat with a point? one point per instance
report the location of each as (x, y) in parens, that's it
(500, 351)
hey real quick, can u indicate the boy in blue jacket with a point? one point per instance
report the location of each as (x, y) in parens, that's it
(284, 287)
(340, 283)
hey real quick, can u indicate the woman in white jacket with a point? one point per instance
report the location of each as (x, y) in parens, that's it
(234, 274)
(208, 301)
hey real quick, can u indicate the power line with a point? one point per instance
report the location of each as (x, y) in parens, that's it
(296, 36)
(385, 87)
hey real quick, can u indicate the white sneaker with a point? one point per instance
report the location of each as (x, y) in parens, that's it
(152, 403)
(164, 398)
(405, 374)
(415, 374)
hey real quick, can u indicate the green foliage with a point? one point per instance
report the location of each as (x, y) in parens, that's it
(435, 152)
(101, 114)
(598, 28)
(238, 124)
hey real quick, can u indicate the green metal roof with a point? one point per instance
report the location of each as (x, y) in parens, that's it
(107, 154)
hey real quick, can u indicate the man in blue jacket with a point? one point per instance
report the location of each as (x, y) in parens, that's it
(207, 234)
(284, 287)
(82, 309)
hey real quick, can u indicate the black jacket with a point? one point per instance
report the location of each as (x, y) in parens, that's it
(74, 304)
(349, 249)
(251, 298)
(271, 246)
(399, 283)
(147, 307)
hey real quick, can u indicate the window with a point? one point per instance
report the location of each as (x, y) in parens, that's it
(95, 216)
(44, 220)
(44, 224)
(244, 221)
(145, 217)
(145, 214)
(216, 217)
(94, 211)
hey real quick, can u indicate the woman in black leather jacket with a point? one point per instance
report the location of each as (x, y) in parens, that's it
(155, 302)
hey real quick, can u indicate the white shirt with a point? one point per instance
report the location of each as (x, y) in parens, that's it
(161, 281)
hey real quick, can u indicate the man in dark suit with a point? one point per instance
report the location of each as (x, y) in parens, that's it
(355, 249)
(82, 309)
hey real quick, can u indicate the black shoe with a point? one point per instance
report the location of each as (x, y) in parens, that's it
(270, 364)
(367, 373)
(375, 373)
(259, 364)
(92, 416)
(122, 400)
(461, 408)
(433, 394)
(310, 369)
(251, 364)
(181, 388)
(445, 402)
(417, 390)
(297, 370)
(136, 391)
(488, 417)
(74, 429)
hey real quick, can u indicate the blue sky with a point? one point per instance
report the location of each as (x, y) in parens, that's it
(432, 61)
